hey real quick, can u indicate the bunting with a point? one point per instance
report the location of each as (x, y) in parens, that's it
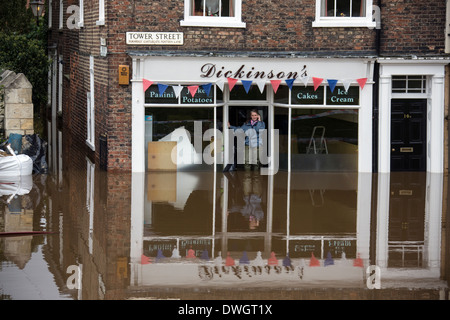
(162, 88)
(192, 90)
(146, 83)
(317, 82)
(231, 83)
(332, 84)
(362, 82)
(261, 83)
(289, 83)
(207, 88)
(246, 84)
(275, 84)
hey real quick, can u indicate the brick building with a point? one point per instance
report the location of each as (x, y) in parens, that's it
(369, 53)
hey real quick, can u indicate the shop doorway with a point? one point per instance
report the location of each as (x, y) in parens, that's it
(237, 116)
(408, 134)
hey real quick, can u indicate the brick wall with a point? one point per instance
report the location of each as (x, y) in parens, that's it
(413, 27)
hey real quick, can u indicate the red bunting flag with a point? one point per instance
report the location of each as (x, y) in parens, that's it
(317, 82)
(275, 85)
(145, 259)
(314, 262)
(231, 83)
(362, 82)
(193, 90)
(146, 83)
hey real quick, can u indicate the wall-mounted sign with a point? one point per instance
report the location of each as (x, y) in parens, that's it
(124, 74)
(155, 38)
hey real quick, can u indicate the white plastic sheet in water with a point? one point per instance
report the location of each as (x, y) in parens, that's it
(16, 165)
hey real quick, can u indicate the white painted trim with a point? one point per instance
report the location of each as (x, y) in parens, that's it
(435, 70)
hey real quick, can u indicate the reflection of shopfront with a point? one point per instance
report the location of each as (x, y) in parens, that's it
(322, 121)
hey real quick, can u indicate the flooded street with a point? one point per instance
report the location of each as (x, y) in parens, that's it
(209, 235)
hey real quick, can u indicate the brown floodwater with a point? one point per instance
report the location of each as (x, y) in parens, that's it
(209, 235)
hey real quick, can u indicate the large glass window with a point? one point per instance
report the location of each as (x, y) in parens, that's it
(181, 127)
(324, 140)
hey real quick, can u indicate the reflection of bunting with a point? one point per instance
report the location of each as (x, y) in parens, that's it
(146, 83)
(275, 84)
(231, 83)
(289, 82)
(162, 88)
(362, 82)
(229, 261)
(145, 259)
(358, 262)
(317, 82)
(314, 262)
(332, 84)
(177, 90)
(207, 88)
(247, 84)
(193, 90)
(261, 85)
(220, 84)
(329, 260)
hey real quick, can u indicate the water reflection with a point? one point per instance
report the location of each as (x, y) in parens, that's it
(195, 234)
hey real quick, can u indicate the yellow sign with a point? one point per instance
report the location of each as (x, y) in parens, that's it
(124, 75)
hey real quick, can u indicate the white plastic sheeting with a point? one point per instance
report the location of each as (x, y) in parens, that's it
(16, 165)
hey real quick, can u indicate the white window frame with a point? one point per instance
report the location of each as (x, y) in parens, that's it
(60, 82)
(90, 141)
(61, 14)
(81, 14)
(50, 13)
(202, 21)
(366, 21)
(101, 13)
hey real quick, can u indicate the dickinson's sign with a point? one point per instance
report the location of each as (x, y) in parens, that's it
(155, 38)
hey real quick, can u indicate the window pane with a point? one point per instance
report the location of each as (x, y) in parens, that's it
(239, 93)
(324, 140)
(212, 8)
(357, 9)
(343, 8)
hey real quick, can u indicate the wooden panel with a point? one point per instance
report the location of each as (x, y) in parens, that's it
(162, 186)
(160, 156)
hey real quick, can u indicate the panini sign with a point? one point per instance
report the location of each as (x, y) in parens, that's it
(155, 38)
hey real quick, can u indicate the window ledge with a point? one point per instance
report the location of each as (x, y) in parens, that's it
(100, 22)
(216, 23)
(344, 23)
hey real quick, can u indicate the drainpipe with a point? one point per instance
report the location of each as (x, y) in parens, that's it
(376, 78)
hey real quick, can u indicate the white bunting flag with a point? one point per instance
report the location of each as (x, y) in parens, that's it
(177, 90)
(261, 85)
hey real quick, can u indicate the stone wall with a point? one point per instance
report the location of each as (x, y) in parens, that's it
(17, 104)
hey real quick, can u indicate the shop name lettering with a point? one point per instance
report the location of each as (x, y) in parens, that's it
(208, 272)
(209, 70)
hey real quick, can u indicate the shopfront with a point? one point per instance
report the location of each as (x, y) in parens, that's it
(317, 112)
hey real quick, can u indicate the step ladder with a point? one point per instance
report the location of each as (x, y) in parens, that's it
(317, 143)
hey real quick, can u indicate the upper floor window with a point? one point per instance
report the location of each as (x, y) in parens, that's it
(213, 13)
(344, 13)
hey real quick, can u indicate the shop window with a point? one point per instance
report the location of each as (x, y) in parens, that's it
(344, 13)
(213, 13)
(324, 140)
(184, 125)
(239, 93)
(409, 84)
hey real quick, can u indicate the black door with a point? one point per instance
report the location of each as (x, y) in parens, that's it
(408, 134)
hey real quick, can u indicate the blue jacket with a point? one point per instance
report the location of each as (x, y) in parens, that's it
(251, 136)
